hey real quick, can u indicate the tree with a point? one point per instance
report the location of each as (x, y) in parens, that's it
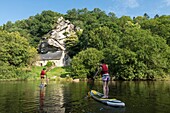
(121, 62)
(34, 27)
(156, 16)
(159, 26)
(152, 53)
(146, 16)
(72, 14)
(85, 62)
(71, 44)
(122, 20)
(102, 37)
(139, 19)
(14, 49)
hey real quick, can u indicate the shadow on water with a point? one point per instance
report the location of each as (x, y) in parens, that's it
(70, 97)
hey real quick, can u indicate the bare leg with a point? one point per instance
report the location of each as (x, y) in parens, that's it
(105, 88)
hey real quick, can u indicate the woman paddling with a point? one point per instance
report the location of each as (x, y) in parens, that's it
(105, 77)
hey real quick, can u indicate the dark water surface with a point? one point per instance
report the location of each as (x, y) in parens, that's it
(70, 97)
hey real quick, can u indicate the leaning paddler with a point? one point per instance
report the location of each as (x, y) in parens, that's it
(105, 77)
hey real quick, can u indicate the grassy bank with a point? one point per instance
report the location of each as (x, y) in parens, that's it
(52, 74)
(56, 74)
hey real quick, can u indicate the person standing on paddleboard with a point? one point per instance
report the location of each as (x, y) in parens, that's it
(43, 73)
(105, 77)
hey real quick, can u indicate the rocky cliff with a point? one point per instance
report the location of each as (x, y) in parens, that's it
(54, 40)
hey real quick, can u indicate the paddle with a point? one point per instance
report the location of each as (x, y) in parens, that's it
(48, 69)
(96, 74)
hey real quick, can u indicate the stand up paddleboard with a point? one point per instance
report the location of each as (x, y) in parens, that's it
(109, 101)
(42, 85)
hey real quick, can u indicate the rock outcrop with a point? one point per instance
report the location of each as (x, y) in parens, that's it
(53, 43)
(54, 40)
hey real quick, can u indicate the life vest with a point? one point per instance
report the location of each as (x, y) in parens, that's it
(104, 69)
(42, 72)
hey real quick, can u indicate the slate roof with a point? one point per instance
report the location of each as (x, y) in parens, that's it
(51, 56)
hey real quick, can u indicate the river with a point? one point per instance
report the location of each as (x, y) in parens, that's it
(71, 97)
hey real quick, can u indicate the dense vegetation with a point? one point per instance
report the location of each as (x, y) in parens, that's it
(137, 48)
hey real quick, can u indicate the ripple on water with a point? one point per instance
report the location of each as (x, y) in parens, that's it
(51, 101)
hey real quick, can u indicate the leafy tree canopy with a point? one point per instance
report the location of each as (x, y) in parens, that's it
(15, 50)
(85, 62)
(135, 48)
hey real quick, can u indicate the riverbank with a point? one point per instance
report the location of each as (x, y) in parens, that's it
(55, 73)
(33, 73)
(60, 74)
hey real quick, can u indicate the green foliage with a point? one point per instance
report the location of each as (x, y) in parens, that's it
(80, 17)
(159, 26)
(102, 37)
(133, 49)
(11, 72)
(150, 53)
(15, 52)
(34, 27)
(71, 44)
(85, 63)
(121, 62)
(6, 71)
(14, 49)
(52, 74)
(49, 64)
(99, 38)
(123, 20)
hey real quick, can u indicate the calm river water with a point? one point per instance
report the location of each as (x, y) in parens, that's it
(70, 97)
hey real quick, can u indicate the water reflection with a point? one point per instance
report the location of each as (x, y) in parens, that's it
(42, 98)
(68, 97)
(90, 86)
(51, 99)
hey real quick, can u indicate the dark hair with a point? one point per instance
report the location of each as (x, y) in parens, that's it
(44, 68)
(102, 61)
